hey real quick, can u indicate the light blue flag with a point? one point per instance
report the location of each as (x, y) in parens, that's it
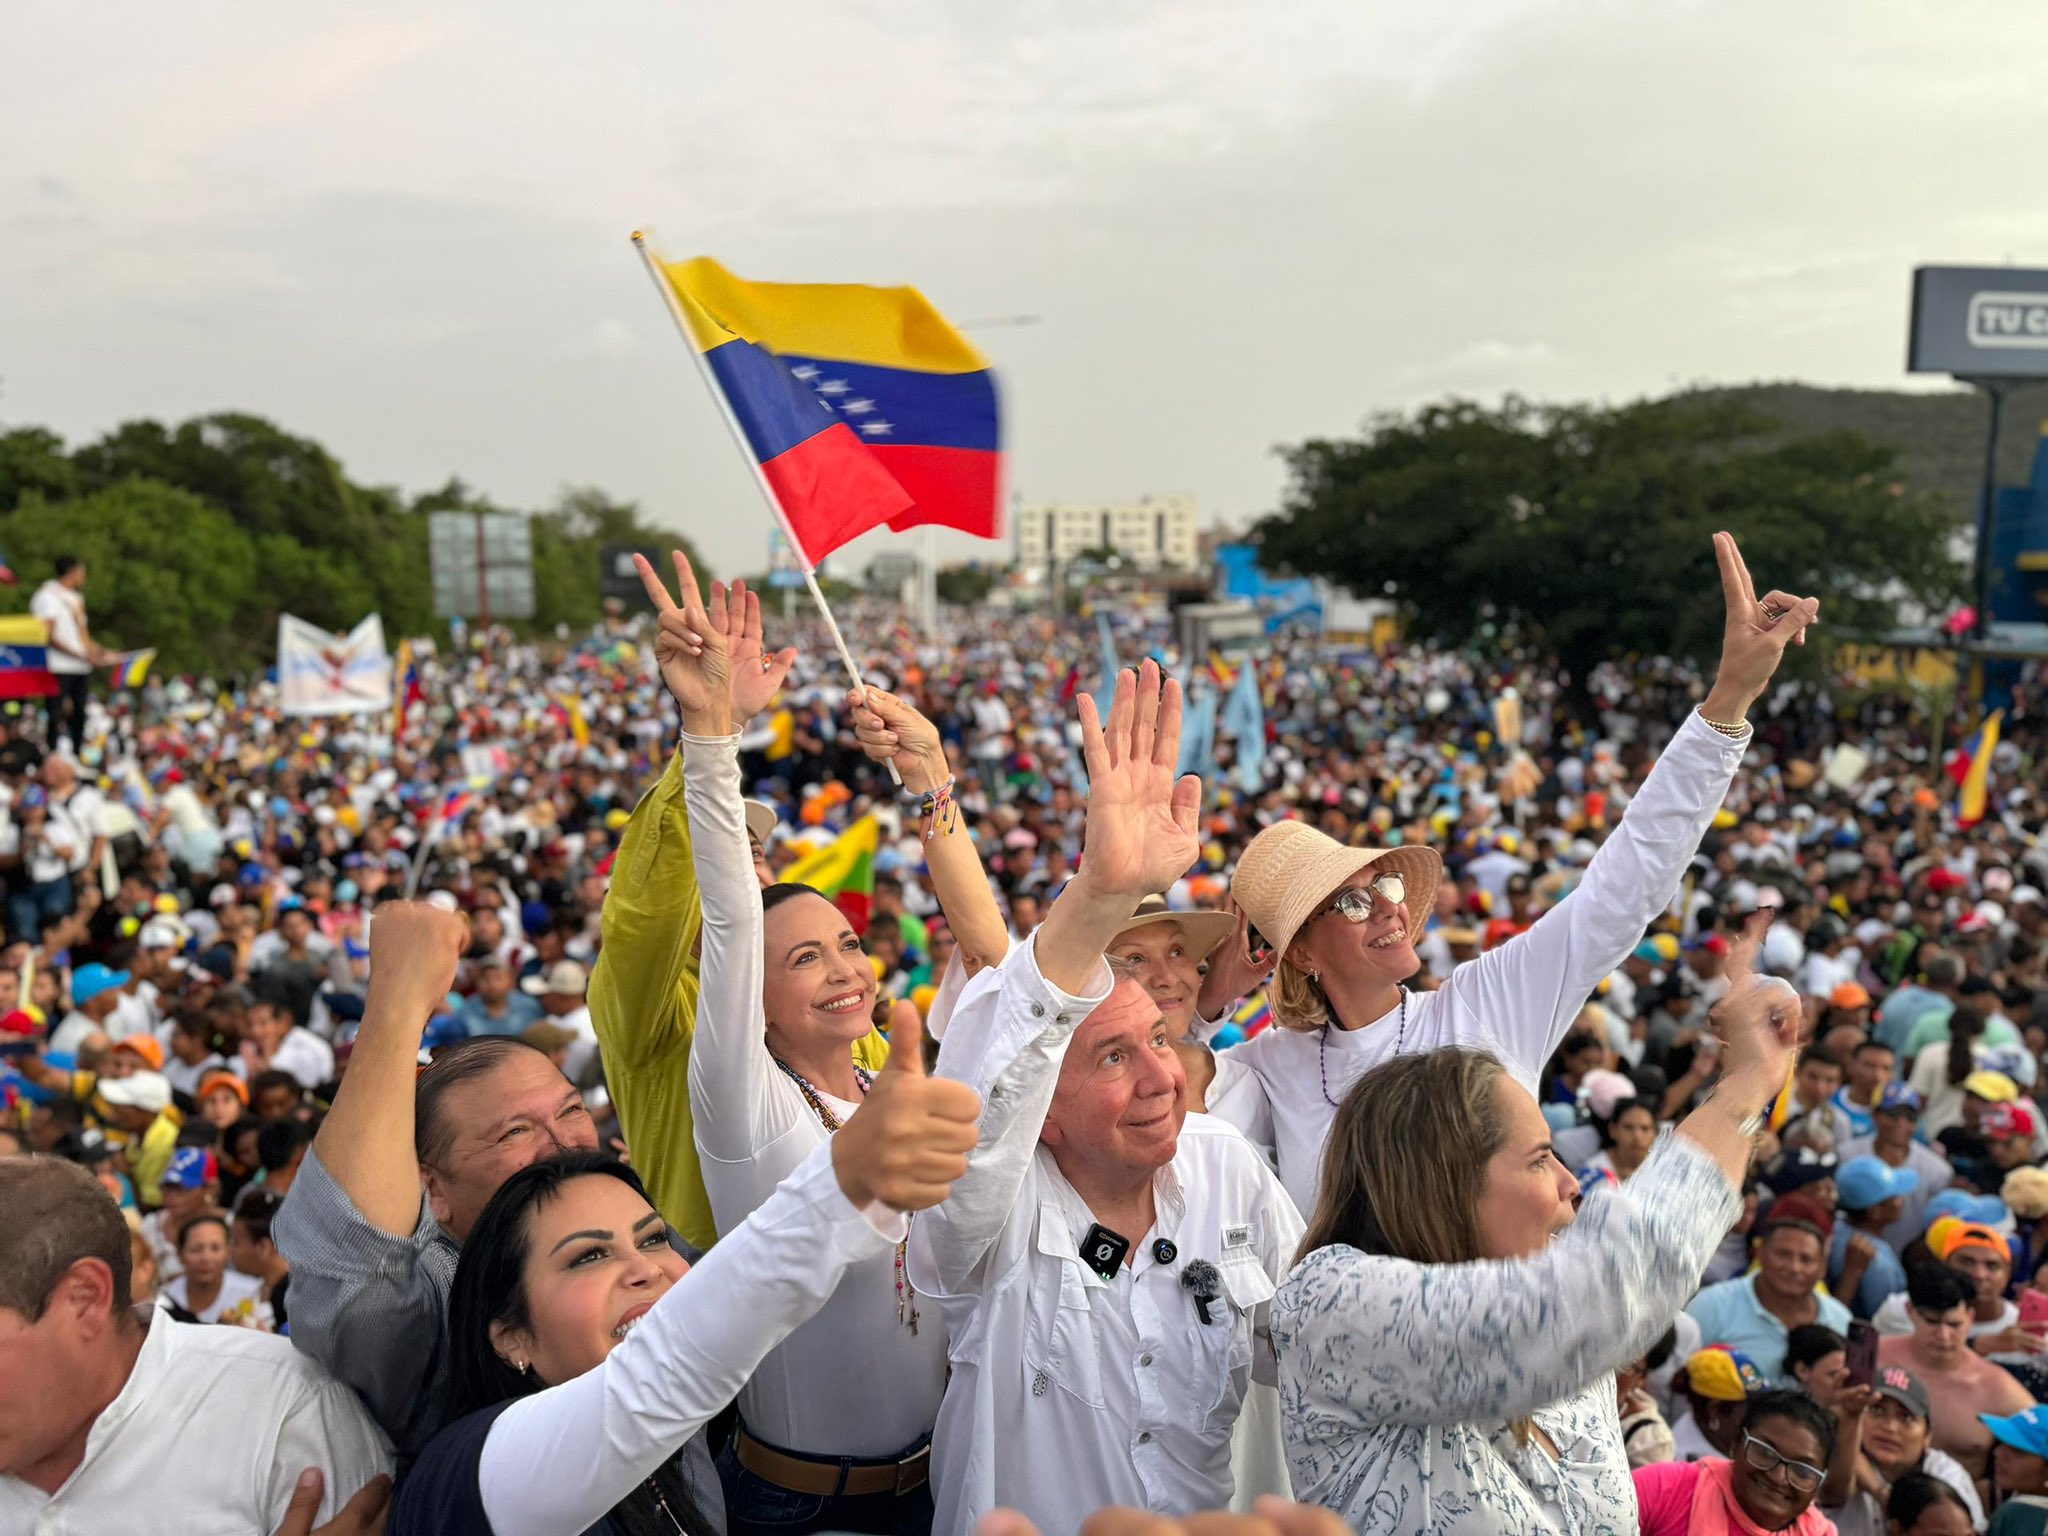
(1198, 737)
(1244, 720)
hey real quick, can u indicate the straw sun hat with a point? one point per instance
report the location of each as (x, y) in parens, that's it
(1291, 869)
(1203, 930)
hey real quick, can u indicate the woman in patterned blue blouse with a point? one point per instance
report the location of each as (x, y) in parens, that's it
(1448, 1342)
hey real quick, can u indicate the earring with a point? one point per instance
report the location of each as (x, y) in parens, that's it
(524, 1367)
(1316, 977)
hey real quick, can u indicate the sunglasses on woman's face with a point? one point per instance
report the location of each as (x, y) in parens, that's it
(1765, 1457)
(1358, 902)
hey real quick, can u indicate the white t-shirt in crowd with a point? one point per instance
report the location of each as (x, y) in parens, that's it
(64, 611)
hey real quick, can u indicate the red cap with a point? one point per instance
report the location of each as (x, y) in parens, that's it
(2008, 1122)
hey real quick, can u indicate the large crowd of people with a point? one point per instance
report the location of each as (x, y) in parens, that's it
(1471, 1099)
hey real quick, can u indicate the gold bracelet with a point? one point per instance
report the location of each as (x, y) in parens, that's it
(1734, 732)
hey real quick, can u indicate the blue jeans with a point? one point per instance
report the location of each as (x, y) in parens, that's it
(33, 907)
(756, 1507)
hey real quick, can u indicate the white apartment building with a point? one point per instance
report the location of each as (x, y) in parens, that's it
(1153, 533)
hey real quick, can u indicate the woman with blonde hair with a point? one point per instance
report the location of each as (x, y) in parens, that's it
(1344, 921)
(1448, 1341)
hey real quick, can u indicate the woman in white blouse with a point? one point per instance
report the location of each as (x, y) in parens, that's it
(835, 1424)
(1344, 922)
(1448, 1342)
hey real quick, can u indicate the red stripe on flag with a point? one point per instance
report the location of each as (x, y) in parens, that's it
(831, 490)
(953, 487)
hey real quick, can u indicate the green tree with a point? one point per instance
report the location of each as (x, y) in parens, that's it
(964, 585)
(1588, 529)
(188, 593)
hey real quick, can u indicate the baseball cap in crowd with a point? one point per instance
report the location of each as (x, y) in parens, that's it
(1723, 1375)
(1995, 1087)
(1904, 1388)
(1849, 994)
(218, 962)
(147, 1047)
(1866, 1181)
(2007, 1122)
(191, 1168)
(1898, 1099)
(548, 1036)
(2025, 1193)
(1967, 1234)
(2026, 1432)
(1603, 1090)
(139, 1090)
(1985, 1210)
(1799, 1211)
(89, 981)
(564, 976)
(1713, 944)
(220, 1079)
(1648, 953)
(1799, 1168)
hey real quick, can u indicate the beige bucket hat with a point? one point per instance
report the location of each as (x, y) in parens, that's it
(1291, 869)
(1204, 930)
(761, 820)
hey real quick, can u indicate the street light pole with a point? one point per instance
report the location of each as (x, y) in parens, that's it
(1987, 512)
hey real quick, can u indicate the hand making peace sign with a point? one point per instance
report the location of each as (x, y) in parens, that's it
(710, 653)
(1756, 636)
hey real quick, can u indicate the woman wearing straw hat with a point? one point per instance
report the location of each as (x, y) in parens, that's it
(1344, 921)
(1167, 952)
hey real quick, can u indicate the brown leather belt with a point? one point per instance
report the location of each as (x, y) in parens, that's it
(828, 1478)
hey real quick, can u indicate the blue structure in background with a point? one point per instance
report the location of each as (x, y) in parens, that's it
(2019, 547)
(1292, 600)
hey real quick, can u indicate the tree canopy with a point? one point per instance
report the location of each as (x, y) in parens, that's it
(1587, 529)
(198, 536)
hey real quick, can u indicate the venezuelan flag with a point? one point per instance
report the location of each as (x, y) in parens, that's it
(844, 870)
(131, 670)
(406, 690)
(25, 659)
(1976, 786)
(862, 404)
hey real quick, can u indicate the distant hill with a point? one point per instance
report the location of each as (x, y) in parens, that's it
(1940, 437)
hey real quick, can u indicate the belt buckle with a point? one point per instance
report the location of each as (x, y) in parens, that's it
(920, 1462)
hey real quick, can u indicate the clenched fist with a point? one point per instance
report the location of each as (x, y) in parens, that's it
(911, 1138)
(414, 949)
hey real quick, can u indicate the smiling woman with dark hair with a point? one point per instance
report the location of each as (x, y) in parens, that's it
(1769, 1485)
(584, 1352)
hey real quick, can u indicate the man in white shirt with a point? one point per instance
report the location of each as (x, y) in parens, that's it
(1105, 1268)
(60, 604)
(104, 1416)
(279, 1045)
(562, 989)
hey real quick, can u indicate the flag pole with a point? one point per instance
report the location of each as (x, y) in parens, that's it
(739, 437)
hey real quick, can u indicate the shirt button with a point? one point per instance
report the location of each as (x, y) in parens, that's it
(1060, 1019)
(1038, 1010)
(1144, 1359)
(1145, 1437)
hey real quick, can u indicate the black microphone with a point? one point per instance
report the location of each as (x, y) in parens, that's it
(1204, 1282)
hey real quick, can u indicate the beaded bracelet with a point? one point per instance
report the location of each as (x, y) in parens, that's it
(1734, 731)
(937, 809)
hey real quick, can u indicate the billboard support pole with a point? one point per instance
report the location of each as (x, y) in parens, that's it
(1987, 511)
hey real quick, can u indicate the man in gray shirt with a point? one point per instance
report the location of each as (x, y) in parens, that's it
(402, 1168)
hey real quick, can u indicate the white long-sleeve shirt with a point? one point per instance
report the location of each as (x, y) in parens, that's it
(1069, 1391)
(853, 1380)
(1282, 1087)
(557, 1461)
(1400, 1381)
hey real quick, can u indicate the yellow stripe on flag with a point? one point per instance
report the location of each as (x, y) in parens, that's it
(849, 322)
(833, 865)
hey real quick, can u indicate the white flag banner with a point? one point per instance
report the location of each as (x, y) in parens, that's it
(323, 674)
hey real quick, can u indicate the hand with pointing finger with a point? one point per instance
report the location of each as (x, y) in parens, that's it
(1755, 637)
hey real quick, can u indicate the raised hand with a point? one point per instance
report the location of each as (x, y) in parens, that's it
(911, 1138)
(892, 731)
(691, 649)
(1759, 1019)
(1234, 969)
(414, 950)
(1143, 827)
(756, 675)
(1757, 633)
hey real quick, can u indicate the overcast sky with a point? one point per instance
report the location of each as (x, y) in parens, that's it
(402, 228)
